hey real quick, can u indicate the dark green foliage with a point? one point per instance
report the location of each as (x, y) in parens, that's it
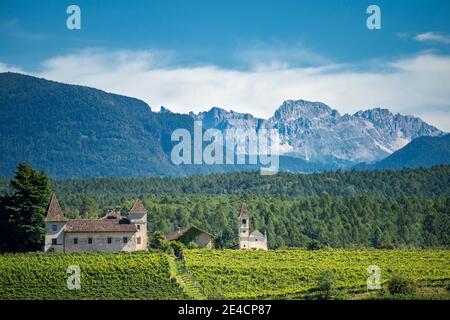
(399, 284)
(22, 213)
(158, 241)
(326, 283)
(315, 245)
(404, 208)
(177, 248)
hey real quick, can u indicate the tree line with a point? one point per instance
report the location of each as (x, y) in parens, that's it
(382, 209)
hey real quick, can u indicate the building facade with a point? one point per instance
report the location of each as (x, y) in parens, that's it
(111, 233)
(194, 234)
(248, 238)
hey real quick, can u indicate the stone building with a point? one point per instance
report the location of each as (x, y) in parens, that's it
(194, 234)
(111, 233)
(248, 238)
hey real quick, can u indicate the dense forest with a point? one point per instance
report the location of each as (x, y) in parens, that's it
(405, 208)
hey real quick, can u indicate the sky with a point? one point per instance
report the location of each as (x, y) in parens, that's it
(246, 55)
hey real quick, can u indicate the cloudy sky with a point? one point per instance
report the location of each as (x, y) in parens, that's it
(248, 56)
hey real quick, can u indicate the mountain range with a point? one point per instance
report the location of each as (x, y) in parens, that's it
(315, 132)
(76, 132)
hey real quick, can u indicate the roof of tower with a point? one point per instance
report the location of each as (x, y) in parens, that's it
(138, 206)
(54, 212)
(243, 213)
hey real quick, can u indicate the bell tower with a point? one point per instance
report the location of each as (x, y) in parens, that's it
(244, 227)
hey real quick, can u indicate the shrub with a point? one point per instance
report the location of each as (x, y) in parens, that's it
(386, 245)
(315, 245)
(325, 284)
(192, 245)
(177, 248)
(399, 284)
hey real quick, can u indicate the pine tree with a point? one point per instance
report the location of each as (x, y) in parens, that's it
(28, 203)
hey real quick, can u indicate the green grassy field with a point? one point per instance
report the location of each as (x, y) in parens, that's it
(223, 274)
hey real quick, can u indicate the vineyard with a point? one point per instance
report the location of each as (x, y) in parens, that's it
(284, 274)
(213, 274)
(102, 276)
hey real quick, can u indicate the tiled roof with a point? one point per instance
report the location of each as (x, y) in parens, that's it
(98, 225)
(112, 215)
(54, 212)
(243, 213)
(175, 235)
(138, 206)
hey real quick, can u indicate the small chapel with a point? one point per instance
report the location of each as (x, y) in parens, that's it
(248, 238)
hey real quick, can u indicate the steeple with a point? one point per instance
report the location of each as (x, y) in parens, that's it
(243, 212)
(54, 212)
(138, 206)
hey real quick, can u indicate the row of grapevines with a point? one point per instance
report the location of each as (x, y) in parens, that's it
(241, 274)
(102, 276)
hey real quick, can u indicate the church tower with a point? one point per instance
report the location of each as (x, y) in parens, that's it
(244, 227)
(250, 239)
(55, 223)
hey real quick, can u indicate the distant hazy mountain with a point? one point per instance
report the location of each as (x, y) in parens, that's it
(315, 132)
(421, 152)
(76, 131)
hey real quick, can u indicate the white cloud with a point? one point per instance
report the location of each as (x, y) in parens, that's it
(418, 85)
(432, 37)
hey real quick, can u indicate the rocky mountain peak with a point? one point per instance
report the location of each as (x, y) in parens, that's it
(296, 109)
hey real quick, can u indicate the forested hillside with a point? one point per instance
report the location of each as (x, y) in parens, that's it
(393, 183)
(409, 207)
(421, 152)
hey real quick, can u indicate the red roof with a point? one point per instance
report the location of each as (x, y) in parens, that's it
(98, 225)
(243, 213)
(138, 206)
(54, 212)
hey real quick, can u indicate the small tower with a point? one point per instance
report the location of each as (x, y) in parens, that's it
(244, 227)
(54, 226)
(138, 216)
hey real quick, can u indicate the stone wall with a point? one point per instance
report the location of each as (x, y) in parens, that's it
(100, 242)
(57, 234)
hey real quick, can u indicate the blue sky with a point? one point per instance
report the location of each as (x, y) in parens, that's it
(243, 55)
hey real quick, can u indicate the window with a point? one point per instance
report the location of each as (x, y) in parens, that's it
(54, 227)
(138, 240)
(243, 231)
(244, 221)
(139, 227)
(109, 239)
(125, 239)
(75, 240)
(54, 241)
(90, 240)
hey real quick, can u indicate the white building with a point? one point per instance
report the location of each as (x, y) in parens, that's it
(111, 233)
(249, 239)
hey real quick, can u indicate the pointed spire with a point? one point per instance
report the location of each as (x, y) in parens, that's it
(54, 212)
(138, 206)
(243, 213)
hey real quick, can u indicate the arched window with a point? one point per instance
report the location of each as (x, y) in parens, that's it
(244, 221)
